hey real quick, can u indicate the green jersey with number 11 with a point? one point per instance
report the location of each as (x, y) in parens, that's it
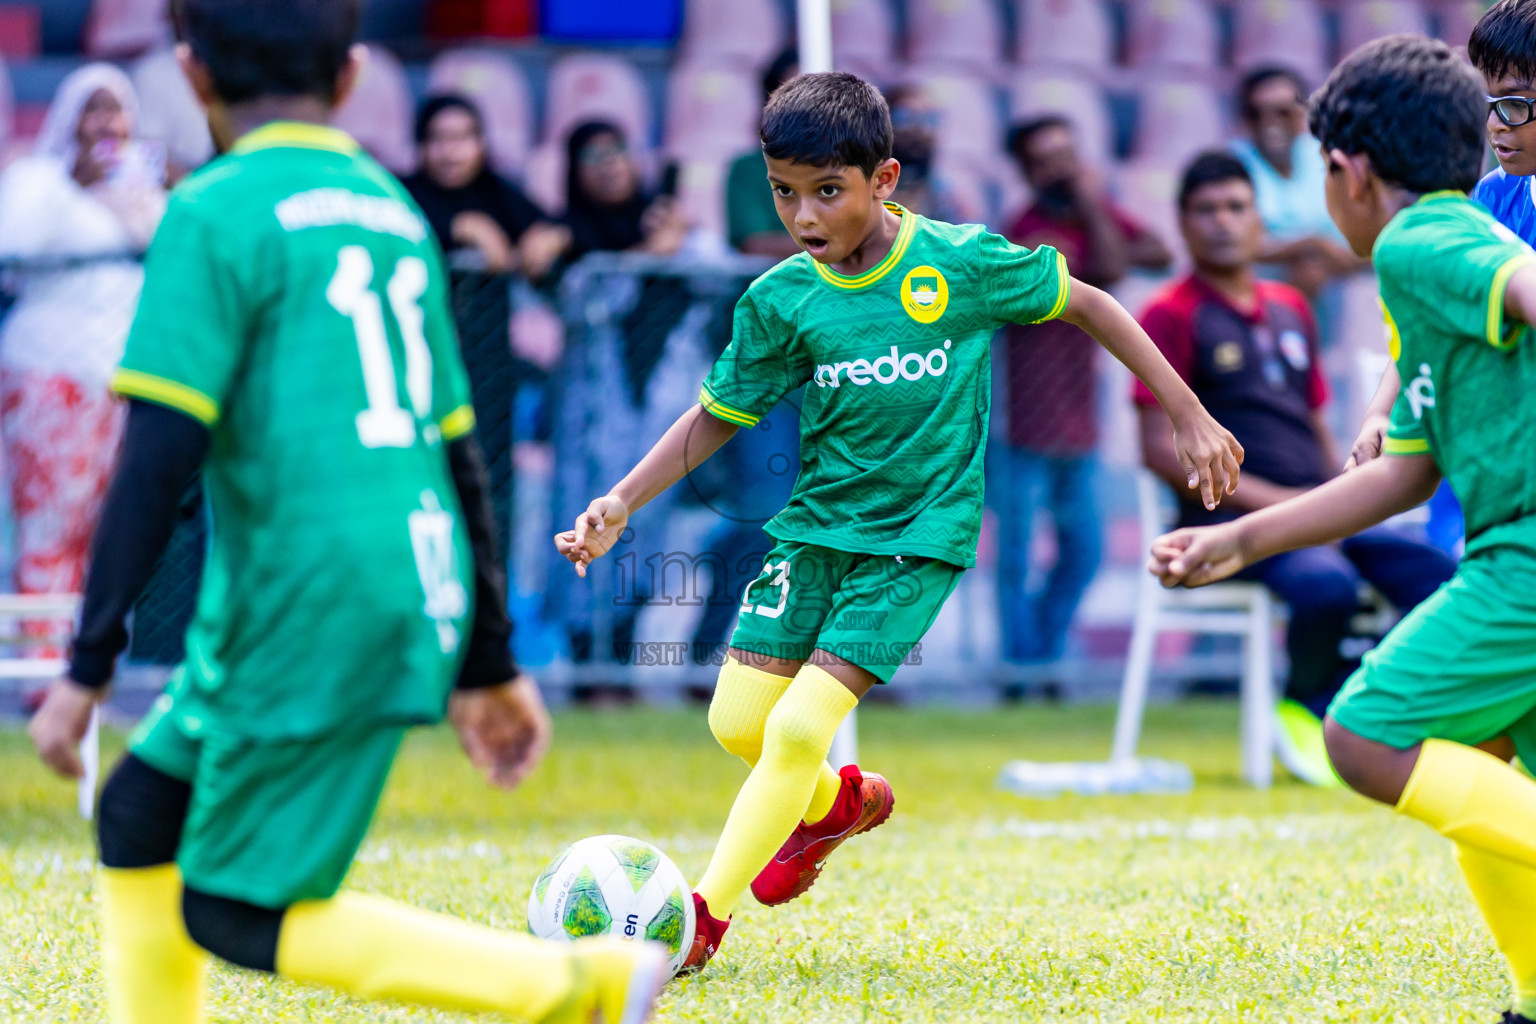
(295, 303)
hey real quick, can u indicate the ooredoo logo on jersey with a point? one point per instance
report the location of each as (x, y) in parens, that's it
(886, 369)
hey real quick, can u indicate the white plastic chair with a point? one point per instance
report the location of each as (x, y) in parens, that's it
(1228, 609)
(55, 608)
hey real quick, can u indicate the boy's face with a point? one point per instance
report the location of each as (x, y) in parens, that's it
(1515, 147)
(1350, 191)
(830, 211)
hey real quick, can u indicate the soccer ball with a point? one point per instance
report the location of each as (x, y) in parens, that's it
(614, 885)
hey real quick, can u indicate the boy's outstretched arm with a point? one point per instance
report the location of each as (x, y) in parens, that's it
(1208, 452)
(1378, 417)
(695, 436)
(1340, 508)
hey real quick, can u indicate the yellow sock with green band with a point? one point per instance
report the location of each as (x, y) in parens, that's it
(376, 948)
(1506, 893)
(154, 973)
(797, 735)
(1473, 798)
(738, 713)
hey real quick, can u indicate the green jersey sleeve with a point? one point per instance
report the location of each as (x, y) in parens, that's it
(1405, 435)
(451, 407)
(756, 370)
(1468, 285)
(1023, 286)
(187, 339)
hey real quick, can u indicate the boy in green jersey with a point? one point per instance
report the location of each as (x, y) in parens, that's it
(887, 318)
(294, 341)
(1400, 123)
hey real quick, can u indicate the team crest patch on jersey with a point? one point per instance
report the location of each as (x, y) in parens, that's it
(924, 294)
(1228, 357)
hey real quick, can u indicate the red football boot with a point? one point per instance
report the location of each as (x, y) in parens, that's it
(708, 931)
(863, 804)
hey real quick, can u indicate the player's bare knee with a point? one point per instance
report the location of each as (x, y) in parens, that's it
(241, 933)
(1369, 768)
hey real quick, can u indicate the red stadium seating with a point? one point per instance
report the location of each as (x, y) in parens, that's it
(1174, 34)
(1284, 32)
(21, 31)
(1064, 32)
(864, 37)
(501, 19)
(712, 111)
(1360, 21)
(1074, 96)
(379, 112)
(119, 28)
(500, 91)
(964, 35)
(1455, 19)
(596, 86)
(1178, 119)
(749, 31)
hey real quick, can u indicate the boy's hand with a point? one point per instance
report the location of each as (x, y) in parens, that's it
(1373, 434)
(504, 729)
(1210, 455)
(1197, 556)
(60, 724)
(597, 530)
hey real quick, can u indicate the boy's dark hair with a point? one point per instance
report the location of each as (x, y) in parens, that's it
(1410, 105)
(1503, 42)
(1268, 73)
(269, 47)
(829, 119)
(1209, 168)
(780, 71)
(1020, 134)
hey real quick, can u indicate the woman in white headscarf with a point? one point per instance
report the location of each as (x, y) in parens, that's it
(73, 216)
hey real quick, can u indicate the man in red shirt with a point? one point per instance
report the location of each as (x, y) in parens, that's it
(1248, 348)
(1046, 461)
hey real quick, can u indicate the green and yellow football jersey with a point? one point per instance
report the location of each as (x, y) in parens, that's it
(1468, 376)
(898, 366)
(294, 301)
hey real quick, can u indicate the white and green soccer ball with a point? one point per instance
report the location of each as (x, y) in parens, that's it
(614, 885)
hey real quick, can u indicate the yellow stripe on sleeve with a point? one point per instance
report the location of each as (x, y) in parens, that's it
(715, 407)
(457, 423)
(1063, 290)
(1405, 446)
(1496, 299)
(169, 393)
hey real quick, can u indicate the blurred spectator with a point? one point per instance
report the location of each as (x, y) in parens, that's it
(605, 207)
(89, 191)
(914, 122)
(1288, 172)
(1249, 350)
(472, 210)
(752, 222)
(1046, 461)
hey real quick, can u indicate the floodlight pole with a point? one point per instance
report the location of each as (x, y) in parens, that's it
(813, 24)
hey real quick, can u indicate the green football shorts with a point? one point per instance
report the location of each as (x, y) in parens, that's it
(870, 610)
(1460, 667)
(270, 822)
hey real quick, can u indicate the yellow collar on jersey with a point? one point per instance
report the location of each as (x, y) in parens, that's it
(1445, 193)
(885, 266)
(300, 134)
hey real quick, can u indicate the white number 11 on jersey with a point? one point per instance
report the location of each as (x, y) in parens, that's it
(384, 424)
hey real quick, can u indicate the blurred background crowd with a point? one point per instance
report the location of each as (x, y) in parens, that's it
(591, 169)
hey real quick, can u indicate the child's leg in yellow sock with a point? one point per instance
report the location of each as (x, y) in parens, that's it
(1506, 893)
(1473, 798)
(797, 736)
(154, 974)
(738, 714)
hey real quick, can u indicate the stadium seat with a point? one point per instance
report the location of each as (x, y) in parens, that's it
(21, 31)
(712, 111)
(7, 110)
(168, 109)
(544, 177)
(1245, 610)
(1284, 32)
(596, 86)
(1174, 34)
(970, 119)
(1064, 32)
(864, 37)
(126, 28)
(1453, 19)
(1363, 20)
(701, 193)
(1077, 98)
(500, 91)
(378, 114)
(749, 31)
(1178, 119)
(964, 35)
(1149, 189)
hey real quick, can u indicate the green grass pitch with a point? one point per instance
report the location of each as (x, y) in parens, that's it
(970, 906)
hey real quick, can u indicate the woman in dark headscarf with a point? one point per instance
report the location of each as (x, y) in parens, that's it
(606, 208)
(468, 206)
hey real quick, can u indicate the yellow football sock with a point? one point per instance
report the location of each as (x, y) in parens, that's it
(1506, 893)
(1473, 798)
(796, 738)
(744, 696)
(155, 975)
(376, 948)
